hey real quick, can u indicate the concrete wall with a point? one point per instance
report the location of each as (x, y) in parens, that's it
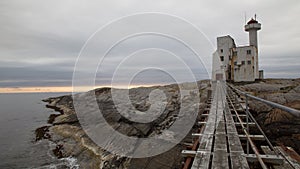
(253, 38)
(224, 46)
(245, 64)
(217, 67)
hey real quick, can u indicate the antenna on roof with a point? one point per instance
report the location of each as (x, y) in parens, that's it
(255, 16)
(245, 18)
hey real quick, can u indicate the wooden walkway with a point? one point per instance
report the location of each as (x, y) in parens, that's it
(219, 138)
(219, 143)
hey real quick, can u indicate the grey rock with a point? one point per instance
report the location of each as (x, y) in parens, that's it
(67, 131)
(62, 119)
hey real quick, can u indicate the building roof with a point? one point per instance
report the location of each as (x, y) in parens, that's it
(252, 21)
(226, 36)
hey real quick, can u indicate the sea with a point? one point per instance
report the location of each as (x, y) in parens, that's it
(20, 115)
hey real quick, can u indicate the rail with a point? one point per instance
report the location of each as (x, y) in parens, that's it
(249, 141)
(292, 111)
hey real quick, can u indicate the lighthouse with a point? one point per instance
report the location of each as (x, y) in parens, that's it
(239, 63)
(252, 27)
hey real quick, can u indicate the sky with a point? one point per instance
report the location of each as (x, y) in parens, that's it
(41, 40)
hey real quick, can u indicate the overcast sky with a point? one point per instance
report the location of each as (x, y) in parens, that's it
(40, 40)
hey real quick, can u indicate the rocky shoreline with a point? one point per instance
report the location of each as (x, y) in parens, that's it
(71, 141)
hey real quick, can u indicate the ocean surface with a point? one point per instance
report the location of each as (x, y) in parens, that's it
(20, 115)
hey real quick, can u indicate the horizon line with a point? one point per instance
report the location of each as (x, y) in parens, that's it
(65, 89)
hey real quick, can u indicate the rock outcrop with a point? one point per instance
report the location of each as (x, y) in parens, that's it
(71, 140)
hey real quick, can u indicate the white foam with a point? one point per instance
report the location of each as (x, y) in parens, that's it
(71, 162)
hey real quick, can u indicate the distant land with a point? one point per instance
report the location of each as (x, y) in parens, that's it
(58, 89)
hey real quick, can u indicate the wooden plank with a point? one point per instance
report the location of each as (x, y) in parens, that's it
(220, 142)
(231, 128)
(267, 150)
(188, 153)
(250, 124)
(206, 142)
(234, 143)
(229, 118)
(253, 137)
(196, 134)
(209, 128)
(220, 128)
(188, 144)
(220, 159)
(202, 122)
(240, 115)
(220, 155)
(192, 153)
(235, 148)
(201, 161)
(238, 161)
(204, 115)
(272, 159)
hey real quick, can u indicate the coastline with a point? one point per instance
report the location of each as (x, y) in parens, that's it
(64, 129)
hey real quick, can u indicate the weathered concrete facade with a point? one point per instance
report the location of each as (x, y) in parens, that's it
(244, 64)
(239, 63)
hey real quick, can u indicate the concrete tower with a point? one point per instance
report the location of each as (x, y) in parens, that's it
(252, 27)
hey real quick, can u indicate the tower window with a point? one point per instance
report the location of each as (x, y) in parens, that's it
(243, 62)
(249, 62)
(235, 53)
(248, 52)
(235, 63)
(221, 50)
(222, 58)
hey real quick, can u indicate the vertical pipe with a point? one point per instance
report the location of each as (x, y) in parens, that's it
(247, 123)
(235, 104)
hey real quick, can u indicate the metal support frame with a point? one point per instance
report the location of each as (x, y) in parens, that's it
(249, 141)
(247, 123)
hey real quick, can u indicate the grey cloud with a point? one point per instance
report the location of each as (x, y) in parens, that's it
(17, 77)
(40, 40)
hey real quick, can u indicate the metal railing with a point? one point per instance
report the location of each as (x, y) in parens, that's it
(292, 111)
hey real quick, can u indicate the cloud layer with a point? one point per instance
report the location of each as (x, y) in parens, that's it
(40, 40)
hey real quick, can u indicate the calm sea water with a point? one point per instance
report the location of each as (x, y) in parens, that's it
(20, 115)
